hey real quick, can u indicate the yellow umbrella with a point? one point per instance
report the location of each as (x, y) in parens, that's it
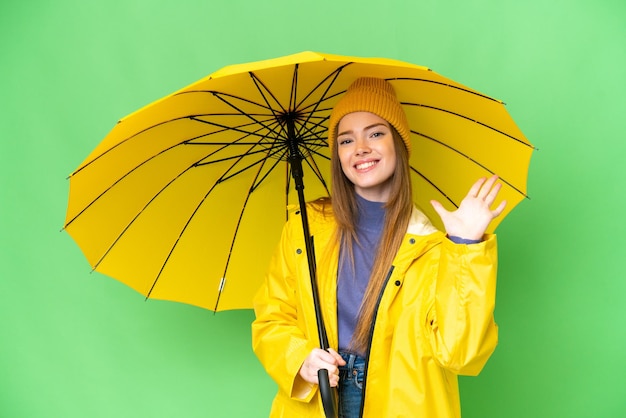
(185, 198)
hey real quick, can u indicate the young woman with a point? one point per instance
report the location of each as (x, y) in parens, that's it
(407, 307)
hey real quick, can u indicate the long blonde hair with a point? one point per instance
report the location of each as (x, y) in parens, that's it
(398, 213)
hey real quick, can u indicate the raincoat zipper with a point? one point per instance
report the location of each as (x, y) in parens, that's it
(371, 334)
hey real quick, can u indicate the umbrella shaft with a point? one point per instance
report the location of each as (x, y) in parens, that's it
(295, 158)
(326, 392)
(295, 161)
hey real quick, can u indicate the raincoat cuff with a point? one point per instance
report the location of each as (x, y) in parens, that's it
(459, 240)
(302, 390)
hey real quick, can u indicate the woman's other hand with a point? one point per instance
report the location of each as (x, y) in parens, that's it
(474, 214)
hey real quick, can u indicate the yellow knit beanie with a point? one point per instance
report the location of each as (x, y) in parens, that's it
(374, 95)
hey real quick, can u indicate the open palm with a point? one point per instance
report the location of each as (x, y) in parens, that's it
(474, 214)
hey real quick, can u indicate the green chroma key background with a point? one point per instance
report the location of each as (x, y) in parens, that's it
(74, 344)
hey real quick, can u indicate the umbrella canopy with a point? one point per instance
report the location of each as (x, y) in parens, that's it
(185, 199)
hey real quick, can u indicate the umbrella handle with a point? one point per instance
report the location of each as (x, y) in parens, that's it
(327, 393)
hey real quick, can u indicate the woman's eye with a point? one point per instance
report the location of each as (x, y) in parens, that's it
(343, 141)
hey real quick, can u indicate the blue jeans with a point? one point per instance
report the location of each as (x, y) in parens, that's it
(350, 390)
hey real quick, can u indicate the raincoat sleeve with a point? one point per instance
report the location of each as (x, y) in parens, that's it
(462, 330)
(278, 338)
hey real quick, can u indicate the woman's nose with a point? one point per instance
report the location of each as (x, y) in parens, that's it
(362, 147)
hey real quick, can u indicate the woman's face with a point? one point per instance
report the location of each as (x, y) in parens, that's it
(367, 154)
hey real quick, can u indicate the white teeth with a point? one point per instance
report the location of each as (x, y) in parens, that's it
(365, 165)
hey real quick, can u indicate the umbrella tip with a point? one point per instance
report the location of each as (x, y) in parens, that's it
(219, 293)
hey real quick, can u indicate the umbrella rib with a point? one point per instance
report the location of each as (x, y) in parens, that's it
(470, 119)
(223, 97)
(334, 75)
(315, 168)
(277, 161)
(249, 166)
(180, 235)
(461, 88)
(183, 230)
(469, 158)
(132, 221)
(294, 106)
(271, 150)
(279, 134)
(85, 165)
(235, 128)
(152, 199)
(311, 131)
(191, 117)
(266, 145)
(313, 164)
(434, 186)
(262, 91)
(271, 144)
(232, 243)
(118, 181)
(294, 87)
(258, 83)
(316, 103)
(185, 142)
(221, 160)
(330, 80)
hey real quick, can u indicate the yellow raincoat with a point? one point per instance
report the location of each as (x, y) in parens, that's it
(434, 322)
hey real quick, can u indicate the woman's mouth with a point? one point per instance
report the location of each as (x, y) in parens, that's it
(366, 165)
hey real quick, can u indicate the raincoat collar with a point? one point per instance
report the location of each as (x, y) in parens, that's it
(419, 224)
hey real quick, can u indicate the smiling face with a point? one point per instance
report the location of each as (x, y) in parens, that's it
(366, 150)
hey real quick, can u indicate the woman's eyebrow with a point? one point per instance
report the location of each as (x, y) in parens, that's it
(365, 129)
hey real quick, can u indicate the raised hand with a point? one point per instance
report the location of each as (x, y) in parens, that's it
(474, 214)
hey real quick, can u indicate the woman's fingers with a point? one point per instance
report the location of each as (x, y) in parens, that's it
(492, 193)
(476, 188)
(487, 189)
(340, 361)
(474, 214)
(321, 359)
(483, 187)
(499, 209)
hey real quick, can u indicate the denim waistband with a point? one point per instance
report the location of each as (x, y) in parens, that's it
(353, 361)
